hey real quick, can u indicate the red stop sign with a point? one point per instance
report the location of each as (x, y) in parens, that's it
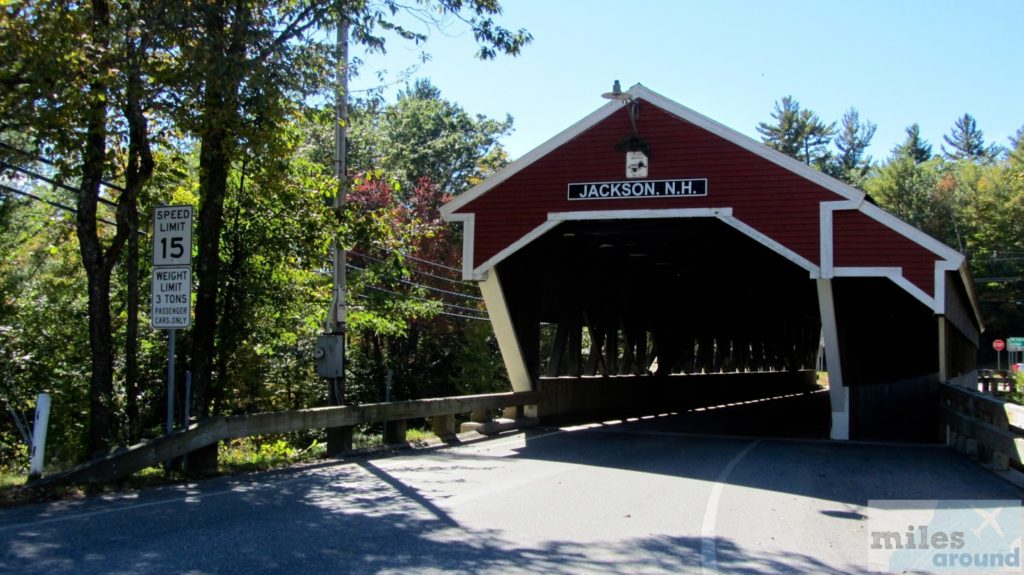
(998, 345)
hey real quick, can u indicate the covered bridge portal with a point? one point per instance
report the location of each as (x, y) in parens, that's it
(649, 237)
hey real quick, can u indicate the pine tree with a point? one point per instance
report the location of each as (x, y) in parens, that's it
(1016, 154)
(967, 142)
(851, 165)
(797, 133)
(1017, 140)
(914, 147)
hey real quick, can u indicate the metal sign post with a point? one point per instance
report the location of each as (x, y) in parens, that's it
(998, 345)
(1014, 345)
(172, 283)
(170, 380)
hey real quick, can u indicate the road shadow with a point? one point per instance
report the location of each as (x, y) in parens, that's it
(341, 519)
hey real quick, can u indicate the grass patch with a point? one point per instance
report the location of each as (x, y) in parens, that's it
(412, 435)
(258, 453)
(12, 479)
(236, 456)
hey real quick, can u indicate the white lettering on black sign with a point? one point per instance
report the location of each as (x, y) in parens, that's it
(646, 189)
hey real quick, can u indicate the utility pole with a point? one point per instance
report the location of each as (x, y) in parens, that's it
(330, 347)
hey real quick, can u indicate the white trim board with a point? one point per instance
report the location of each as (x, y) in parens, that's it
(555, 218)
(894, 274)
(530, 157)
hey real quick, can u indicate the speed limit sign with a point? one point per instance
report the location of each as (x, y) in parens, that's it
(172, 236)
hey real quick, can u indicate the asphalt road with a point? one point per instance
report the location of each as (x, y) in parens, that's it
(629, 497)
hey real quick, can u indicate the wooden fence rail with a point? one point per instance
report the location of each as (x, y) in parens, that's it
(124, 462)
(983, 425)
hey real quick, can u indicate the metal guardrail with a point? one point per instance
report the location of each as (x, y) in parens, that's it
(126, 461)
(983, 425)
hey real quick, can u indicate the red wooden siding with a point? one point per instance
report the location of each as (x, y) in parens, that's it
(771, 199)
(859, 241)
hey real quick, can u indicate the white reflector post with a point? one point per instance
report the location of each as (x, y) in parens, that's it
(39, 435)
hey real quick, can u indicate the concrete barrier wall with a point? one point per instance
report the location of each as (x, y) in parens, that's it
(575, 398)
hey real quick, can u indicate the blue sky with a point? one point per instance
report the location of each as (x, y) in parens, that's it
(897, 62)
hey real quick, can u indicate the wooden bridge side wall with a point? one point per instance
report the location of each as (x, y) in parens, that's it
(889, 344)
(577, 398)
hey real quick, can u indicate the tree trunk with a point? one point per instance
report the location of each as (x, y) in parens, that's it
(97, 270)
(213, 168)
(232, 320)
(216, 143)
(138, 171)
(131, 342)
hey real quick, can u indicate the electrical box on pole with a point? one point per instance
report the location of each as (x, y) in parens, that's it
(329, 354)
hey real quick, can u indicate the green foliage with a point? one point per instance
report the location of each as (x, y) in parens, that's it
(967, 142)
(43, 335)
(478, 360)
(273, 295)
(1017, 396)
(255, 453)
(221, 91)
(414, 435)
(797, 132)
(911, 192)
(422, 135)
(914, 147)
(852, 165)
(11, 479)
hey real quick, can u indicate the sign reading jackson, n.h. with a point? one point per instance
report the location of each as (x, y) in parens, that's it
(639, 189)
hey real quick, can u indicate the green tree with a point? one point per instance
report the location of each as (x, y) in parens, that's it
(917, 194)
(967, 142)
(75, 86)
(44, 343)
(914, 146)
(246, 70)
(1016, 154)
(852, 165)
(423, 135)
(272, 296)
(797, 132)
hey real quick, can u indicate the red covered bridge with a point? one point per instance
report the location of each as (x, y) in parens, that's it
(684, 251)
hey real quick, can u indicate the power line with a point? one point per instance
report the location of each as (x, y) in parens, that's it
(423, 299)
(36, 158)
(432, 289)
(51, 181)
(464, 316)
(410, 296)
(364, 296)
(435, 264)
(421, 272)
(57, 205)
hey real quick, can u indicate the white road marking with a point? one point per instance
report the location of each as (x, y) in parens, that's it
(708, 548)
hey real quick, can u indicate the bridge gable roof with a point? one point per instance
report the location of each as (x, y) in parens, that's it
(817, 222)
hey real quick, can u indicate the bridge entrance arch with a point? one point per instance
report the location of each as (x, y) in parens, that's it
(648, 242)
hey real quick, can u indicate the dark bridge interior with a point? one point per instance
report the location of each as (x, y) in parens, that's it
(613, 315)
(696, 294)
